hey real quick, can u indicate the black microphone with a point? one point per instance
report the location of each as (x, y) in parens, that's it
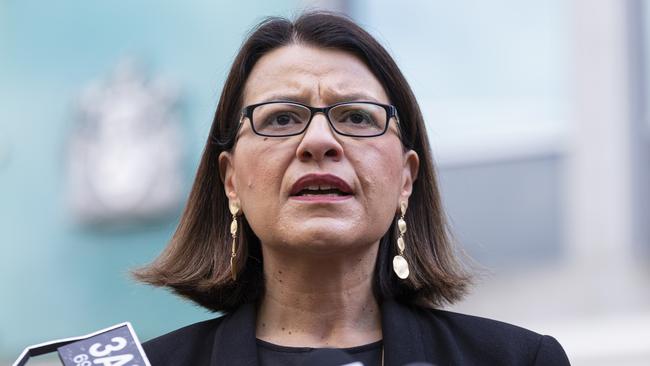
(113, 346)
(330, 357)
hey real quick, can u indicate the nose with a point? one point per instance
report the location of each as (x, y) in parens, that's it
(319, 142)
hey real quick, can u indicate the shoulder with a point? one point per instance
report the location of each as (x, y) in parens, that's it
(477, 340)
(190, 345)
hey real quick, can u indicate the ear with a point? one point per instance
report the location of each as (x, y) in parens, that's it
(227, 175)
(409, 175)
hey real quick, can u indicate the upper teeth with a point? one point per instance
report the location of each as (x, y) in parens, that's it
(319, 187)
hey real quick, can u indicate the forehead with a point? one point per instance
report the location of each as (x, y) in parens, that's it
(312, 75)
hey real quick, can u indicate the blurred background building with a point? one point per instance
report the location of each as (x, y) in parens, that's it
(537, 112)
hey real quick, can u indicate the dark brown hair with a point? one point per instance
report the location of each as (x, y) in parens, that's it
(196, 264)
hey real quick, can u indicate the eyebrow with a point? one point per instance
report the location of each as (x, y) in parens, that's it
(336, 98)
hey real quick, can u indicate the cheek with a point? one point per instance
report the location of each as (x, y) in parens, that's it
(260, 169)
(382, 172)
(380, 175)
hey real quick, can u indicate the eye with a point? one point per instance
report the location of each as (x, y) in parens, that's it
(279, 118)
(282, 119)
(357, 117)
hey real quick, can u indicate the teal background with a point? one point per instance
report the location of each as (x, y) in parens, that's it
(59, 279)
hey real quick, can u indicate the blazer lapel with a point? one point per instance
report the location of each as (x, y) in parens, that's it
(404, 337)
(403, 334)
(234, 340)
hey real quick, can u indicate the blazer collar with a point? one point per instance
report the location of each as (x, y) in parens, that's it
(234, 340)
(403, 337)
(403, 334)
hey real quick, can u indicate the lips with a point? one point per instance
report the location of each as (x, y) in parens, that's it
(320, 185)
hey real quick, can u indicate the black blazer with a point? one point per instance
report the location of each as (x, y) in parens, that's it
(410, 334)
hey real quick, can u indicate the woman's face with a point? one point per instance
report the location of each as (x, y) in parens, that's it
(360, 181)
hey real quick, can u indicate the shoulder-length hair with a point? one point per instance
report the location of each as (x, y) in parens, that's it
(196, 262)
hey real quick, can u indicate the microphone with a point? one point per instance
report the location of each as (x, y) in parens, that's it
(330, 357)
(114, 346)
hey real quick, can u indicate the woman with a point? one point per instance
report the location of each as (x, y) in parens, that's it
(315, 221)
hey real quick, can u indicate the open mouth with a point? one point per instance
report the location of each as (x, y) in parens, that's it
(321, 190)
(321, 185)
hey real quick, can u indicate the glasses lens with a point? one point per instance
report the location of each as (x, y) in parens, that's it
(359, 119)
(280, 119)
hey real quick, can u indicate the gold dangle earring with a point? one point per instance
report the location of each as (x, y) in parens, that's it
(234, 210)
(400, 266)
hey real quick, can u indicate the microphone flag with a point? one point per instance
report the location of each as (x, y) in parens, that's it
(113, 346)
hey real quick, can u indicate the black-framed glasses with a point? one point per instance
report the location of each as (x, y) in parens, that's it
(286, 118)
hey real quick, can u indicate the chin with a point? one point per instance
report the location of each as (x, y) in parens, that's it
(327, 240)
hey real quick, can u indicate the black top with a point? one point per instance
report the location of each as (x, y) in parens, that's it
(410, 334)
(270, 354)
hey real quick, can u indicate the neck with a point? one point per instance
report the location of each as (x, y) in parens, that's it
(319, 301)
